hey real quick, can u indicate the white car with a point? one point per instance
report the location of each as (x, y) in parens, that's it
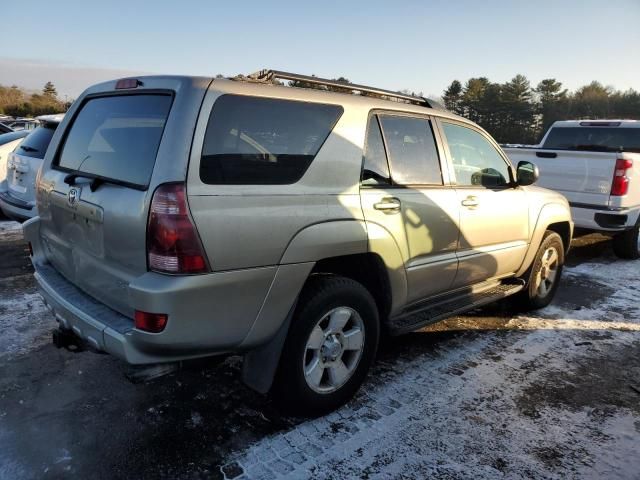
(8, 143)
(18, 193)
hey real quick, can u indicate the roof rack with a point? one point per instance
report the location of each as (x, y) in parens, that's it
(270, 76)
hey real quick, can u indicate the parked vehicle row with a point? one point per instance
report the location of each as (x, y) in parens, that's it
(596, 165)
(182, 217)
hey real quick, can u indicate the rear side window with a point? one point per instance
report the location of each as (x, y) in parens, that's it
(263, 141)
(117, 137)
(35, 144)
(413, 154)
(376, 169)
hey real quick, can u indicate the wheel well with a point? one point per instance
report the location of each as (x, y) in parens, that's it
(367, 269)
(562, 229)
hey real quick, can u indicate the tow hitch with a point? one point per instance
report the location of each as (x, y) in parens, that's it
(67, 340)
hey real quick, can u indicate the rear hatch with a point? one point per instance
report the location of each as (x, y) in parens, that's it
(97, 184)
(23, 164)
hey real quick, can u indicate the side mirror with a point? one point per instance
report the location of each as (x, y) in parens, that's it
(527, 173)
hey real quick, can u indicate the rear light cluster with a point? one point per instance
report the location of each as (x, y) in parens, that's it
(620, 184)
(173, 245)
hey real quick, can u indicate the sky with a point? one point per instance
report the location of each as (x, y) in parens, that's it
(418, 45)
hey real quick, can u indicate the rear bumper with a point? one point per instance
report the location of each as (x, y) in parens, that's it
(605, 220)
(208, 314)
(16, 208)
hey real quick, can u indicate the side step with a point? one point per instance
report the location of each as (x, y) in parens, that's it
(437, 310)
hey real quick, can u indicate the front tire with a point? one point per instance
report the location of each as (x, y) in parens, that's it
(627, 244)
(330, 347)
(544, 275)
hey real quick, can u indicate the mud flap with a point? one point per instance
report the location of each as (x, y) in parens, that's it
(259, 366)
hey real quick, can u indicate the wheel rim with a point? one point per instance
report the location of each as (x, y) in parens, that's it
(547, 273)
(333, 350)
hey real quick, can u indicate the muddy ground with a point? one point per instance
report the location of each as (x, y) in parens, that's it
(487, 395)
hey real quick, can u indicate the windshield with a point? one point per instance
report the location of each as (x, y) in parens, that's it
(598, 139)
(117, 137)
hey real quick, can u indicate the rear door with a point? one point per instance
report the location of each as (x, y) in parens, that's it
(404, 192)
(94, 199)
(494, 215)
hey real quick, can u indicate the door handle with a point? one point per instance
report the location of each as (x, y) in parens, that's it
(388, 205)
(470, 201)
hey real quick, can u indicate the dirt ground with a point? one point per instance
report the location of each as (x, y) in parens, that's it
(486, 395)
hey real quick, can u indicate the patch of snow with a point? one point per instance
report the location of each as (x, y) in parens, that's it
(10, 230)
(457, 415)
(25, 322)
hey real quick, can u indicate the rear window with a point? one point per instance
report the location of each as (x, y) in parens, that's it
(599, 139)
(35, 144)
(117, 137)
(263, 141)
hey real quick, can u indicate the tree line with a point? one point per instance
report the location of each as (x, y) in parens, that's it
(16, 102)
(516, 112)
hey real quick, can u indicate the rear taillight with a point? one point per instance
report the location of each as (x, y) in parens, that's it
(150, 322)
(620, 184)
(173, 245)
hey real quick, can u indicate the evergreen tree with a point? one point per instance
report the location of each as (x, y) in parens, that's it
(472, 97)
(519, 117)
(552, 105)
(452, 97)
(50, 90)
(592, 101)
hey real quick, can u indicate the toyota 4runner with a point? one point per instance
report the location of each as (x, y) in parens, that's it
(183, 217)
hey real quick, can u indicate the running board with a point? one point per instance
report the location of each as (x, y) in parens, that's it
(440, 309)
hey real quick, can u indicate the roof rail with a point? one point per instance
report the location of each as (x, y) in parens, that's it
(271, 76)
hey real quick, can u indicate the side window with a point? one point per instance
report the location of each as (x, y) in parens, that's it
(263, 141)
(376, 169)
(475, 160)
(413, 154)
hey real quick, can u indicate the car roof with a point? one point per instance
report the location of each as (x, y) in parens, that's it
(55, 118)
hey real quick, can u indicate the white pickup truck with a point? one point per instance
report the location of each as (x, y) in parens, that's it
(596, 165)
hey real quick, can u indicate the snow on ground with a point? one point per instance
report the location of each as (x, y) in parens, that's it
(484, 408)
(25, 322)
(10, 231)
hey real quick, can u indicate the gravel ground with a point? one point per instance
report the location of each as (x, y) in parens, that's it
(486, 395)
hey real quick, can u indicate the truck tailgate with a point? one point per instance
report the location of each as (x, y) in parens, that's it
(582, 177)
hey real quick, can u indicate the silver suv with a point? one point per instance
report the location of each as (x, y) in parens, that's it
(182, 217)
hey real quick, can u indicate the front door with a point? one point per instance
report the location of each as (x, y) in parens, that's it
(405, 195)
(494, 215)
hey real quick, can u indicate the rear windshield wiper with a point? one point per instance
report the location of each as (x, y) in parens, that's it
(27, 148)
(96, 181)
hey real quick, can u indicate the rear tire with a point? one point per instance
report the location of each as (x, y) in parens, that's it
(627, 244)
(543, 277)
(330, 347)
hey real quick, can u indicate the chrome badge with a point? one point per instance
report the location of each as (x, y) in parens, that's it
(73, 197)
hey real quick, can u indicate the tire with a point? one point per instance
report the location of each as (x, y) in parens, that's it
(541, 287)
(326, 354)
(627, 244)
